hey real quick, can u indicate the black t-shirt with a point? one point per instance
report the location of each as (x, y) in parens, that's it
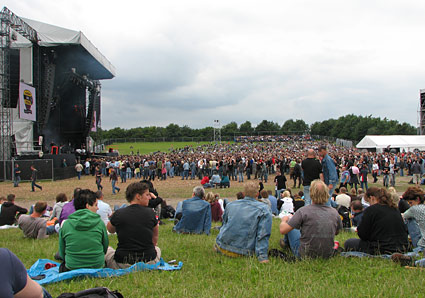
(13, 275)
(134, 225)
(281, 181)
(312, 170)
(382, 227)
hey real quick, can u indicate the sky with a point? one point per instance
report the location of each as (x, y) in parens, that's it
(191, 62)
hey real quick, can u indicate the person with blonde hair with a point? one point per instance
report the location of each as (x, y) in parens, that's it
(240, 235)
(310, 232)
(216, 211)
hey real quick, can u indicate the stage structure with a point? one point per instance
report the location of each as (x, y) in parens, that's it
(51, 75)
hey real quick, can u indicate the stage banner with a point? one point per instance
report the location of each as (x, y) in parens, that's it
(27, 105)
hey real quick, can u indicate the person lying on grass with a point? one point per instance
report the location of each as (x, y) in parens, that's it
(382, 230)
(83, 240)
(137, 228)
(310, 232)
(246, 228)
(33, 225)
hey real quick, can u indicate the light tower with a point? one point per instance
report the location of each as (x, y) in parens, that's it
(217, 131)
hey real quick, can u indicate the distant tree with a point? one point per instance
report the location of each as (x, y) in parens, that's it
(267, 127)
(229, 129)
(172, 131)
(246, 128)
(294, 127)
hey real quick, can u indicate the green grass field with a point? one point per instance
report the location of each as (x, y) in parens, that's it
(207, 274)
(149, 147)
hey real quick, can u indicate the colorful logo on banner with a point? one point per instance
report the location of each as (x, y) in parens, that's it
(27, 106)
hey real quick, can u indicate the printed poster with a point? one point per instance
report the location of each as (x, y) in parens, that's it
(27, 105)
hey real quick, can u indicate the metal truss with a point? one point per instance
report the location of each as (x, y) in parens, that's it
(8, 21)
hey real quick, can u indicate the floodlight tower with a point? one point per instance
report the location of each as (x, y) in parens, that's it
(217, 131)
(422, 112)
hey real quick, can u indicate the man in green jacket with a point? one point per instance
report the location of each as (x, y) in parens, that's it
(83, 240)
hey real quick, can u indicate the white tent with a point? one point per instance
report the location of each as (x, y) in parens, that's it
(406, 142)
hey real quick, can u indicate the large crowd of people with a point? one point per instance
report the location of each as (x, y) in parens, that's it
(335, 195)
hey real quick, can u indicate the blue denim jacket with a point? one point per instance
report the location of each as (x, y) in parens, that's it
(329, 170)
(196, 217)
(246, 228)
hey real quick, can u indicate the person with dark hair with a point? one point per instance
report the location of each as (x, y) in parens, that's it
(240, 195)
(265, 198)
(61, 200)
(137, 228)
(34, 172)
(9, 211)
(330, 176)
(69, 207)
(16, 175)
(113, 177)
(98, 175)
(167, 211)
(33, 225)
(196, 214)
(382, 230)
(416, 213)
(14, 279)
(357, 209)
(83, 240)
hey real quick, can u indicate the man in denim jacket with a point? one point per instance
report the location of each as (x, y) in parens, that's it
(329, 173)
(246, 229)
(196, 214)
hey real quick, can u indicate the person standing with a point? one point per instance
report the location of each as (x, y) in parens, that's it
(114, 180)
(330, 176)
(34, 179)
(87, 167)
(98, 175)
(17, 175)
(312, 170)
(79, 169)
(280, 181)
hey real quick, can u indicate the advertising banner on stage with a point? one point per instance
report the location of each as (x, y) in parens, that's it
(27, 105)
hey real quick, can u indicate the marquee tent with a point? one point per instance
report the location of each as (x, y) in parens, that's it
(400, 142)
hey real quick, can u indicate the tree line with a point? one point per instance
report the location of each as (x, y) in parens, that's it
(350, 127)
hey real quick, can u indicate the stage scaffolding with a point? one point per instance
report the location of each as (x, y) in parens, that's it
(9, 21)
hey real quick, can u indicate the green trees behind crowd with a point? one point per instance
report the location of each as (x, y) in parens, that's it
(350, 127)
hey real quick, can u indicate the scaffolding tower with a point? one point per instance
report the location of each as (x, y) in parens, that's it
(9, 21)
(422, 112)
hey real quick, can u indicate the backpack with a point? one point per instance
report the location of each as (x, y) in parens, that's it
(100, 292)
(344, 213)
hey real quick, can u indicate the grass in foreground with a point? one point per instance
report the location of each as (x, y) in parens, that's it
(207, 274)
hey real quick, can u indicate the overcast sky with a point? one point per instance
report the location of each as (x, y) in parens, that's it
(189, 62)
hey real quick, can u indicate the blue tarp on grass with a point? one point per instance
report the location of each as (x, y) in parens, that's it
(52, 275)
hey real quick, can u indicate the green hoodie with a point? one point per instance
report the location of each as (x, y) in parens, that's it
(83, 240)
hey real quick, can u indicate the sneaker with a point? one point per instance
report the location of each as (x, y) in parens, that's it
(402, 259)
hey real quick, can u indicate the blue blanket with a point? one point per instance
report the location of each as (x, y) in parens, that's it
(52, 275)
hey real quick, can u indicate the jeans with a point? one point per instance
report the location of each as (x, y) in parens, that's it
(185, 174)
(193, 174)
(114, 187)
(79, 175)
(307, 198)
(36, 185)
(294, 241)
(363, 184)
(386, 178)
(331, 202)
(392, 180)
(401, 172)
(87, 171)
(16, 181)
(414, 232)
(50, 230)
(240, 176)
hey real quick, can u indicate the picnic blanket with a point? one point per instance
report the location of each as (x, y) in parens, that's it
(52, 275)
(5, 227)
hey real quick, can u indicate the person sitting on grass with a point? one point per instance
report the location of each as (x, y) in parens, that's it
(415, 197)
(310, 232)
(83, 240)
(357, 209)
(137, 228)
(61, 200)
(33, 225)
(205, 182)
(216, 210)
(14, 279)
(215, 180)
(273, 202)
(246, 228)
(225, 181)
(195, 214)
(9, 211)
(69, 207)
(382, 230)
(265, 198)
